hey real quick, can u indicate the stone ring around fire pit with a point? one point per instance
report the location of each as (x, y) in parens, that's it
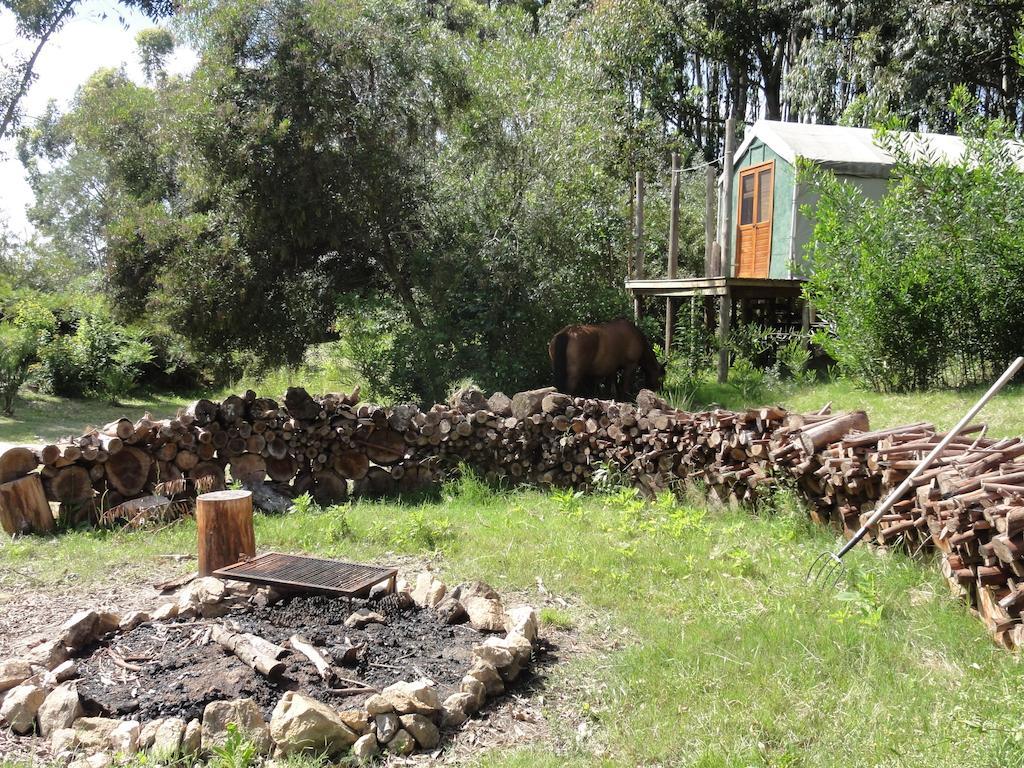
(85, 670)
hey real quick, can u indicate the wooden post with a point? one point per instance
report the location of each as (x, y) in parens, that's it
(673, 220)
(673, 250)
(638, 228)
(709, 221)
(725, 235)
(23, 507)
(638, 241)
(724, 318)
(226, 535)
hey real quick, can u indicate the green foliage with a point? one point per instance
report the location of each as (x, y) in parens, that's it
(920, 288)
(237, 751)
(155, 45)
(96, 357)
(17, 350)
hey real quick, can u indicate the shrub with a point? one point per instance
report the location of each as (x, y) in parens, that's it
(922, 287)
(97, 357)
(17, 351)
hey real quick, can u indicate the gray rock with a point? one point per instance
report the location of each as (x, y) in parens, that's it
(164, 612)
(450, 611)
(387, 726)
(107, 621)
(60, 709)
(522, 620)
(199, 593)
(474, 688)
(20, 706)
(489, 676)
(48, 654)
(93, 733)
(422, 729)
(429, 590)
(378, 705)
(486, 614)
(465, 702)
(63, 740)
(366, 748)
(124, 738)
(147, 735)
(300, 723)
(80, 630)
(497, 657)
(192, 741)
(167, 737)
(133, 619)
(14, 672)
(61, 673)
(417, 697)
(402, 744)
(245, 714)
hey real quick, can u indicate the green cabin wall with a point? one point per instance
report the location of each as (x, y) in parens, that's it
(782, 206)
(789, 238)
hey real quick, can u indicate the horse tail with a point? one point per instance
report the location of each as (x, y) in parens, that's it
(560, 361)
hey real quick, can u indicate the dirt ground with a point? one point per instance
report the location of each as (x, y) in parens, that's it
(541, 708)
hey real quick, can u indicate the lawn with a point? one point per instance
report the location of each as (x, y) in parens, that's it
(710, 649)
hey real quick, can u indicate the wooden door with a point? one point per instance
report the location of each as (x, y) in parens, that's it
(756, 193)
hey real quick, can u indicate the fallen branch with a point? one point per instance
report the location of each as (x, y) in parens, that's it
(303, 646)
(248, 651)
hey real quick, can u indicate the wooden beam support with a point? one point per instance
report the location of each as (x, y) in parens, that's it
(724, 318)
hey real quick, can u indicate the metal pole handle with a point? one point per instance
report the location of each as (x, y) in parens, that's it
(903, 487)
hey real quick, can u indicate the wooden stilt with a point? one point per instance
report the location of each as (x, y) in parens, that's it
(724, 319)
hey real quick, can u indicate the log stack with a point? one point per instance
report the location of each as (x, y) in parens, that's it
(969, 505)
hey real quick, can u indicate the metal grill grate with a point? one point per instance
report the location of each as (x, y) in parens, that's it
(310, 574)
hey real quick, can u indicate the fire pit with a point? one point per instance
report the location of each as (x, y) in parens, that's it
(293, 672)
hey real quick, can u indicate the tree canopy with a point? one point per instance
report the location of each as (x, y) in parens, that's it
(442, 184)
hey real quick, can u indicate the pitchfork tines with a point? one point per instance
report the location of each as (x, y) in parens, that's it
(826, 570)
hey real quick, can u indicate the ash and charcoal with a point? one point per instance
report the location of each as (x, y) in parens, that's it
(164, 669)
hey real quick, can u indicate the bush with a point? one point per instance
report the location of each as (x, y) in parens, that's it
(17, 351)
(97, 357)
(923, 287)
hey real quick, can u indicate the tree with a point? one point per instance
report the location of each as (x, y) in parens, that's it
(155, 45)
(37, 21)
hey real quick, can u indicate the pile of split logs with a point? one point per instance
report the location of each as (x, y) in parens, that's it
(970, 504)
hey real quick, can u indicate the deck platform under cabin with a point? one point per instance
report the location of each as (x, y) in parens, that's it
(774, 303)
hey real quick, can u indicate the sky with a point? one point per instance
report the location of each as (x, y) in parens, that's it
(101, 35)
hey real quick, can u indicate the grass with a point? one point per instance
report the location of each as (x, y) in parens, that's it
(39, 417)
(711, 649)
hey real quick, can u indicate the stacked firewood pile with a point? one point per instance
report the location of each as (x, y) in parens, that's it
(969, 505)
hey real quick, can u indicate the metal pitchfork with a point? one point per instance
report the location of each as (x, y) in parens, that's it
(828, 568)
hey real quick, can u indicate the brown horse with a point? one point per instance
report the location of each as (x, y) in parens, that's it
(584, 355)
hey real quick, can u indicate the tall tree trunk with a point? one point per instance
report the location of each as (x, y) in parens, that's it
(393, 270)
(11, 110)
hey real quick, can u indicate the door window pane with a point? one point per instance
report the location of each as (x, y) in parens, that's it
(764, 194)
(747, 199)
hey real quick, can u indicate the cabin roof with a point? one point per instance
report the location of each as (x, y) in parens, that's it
(852, 151)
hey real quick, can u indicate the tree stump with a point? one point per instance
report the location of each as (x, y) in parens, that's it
(24, 508)
(224, 520)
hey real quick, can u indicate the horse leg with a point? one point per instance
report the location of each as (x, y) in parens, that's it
(626, 386)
